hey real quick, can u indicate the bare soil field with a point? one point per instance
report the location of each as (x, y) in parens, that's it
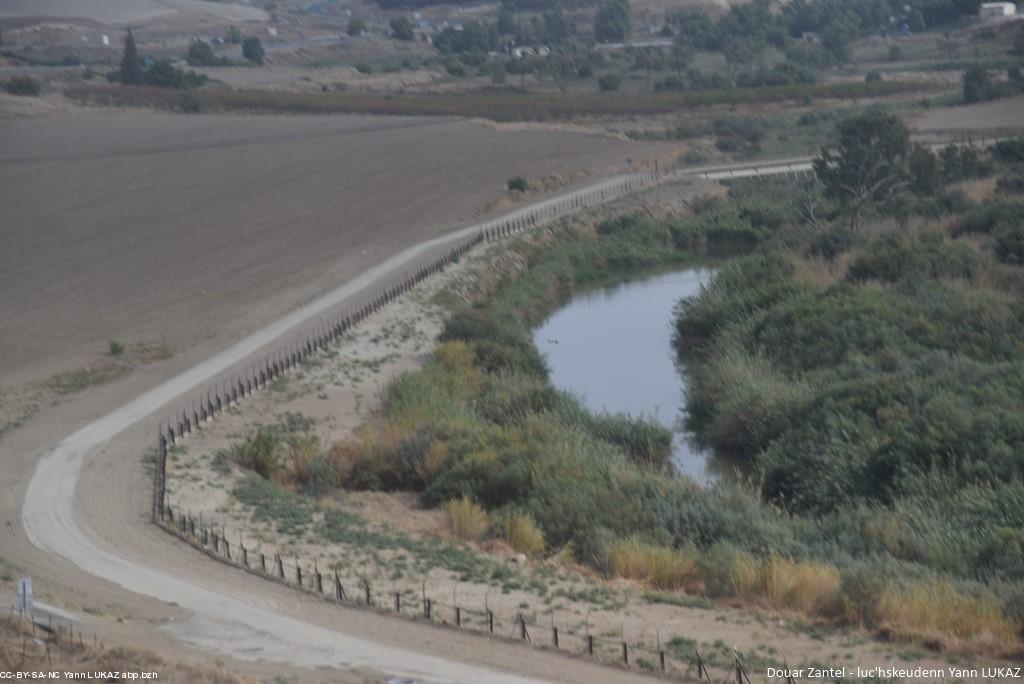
(159, 228)
(130, 11)
(997, 116)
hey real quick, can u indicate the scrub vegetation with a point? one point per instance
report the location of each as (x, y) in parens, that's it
(869, 373)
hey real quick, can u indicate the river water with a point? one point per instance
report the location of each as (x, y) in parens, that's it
(613, 348)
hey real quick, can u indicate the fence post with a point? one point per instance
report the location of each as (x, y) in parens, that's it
(661, 659)
(490, 621)
(280, 566)
(398, 602)
(298, 572)
(339, 591)
(741, 673)
(702, 670)
(369, 596)
(554, 636)
(590, 644)
(319, 579)
(427, 608)
(458, 616)
(625, 653)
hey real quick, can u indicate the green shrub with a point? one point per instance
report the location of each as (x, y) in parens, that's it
(22, 85)
(609, 82)
(1009, 244)
(260, 452)
(252, 49)
(518, 184)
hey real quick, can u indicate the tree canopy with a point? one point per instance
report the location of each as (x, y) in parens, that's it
(252, 49)
(131, 65)
(868, 162)
(611, 24)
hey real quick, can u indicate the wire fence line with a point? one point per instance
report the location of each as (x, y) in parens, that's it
(46, 630)
(427, 606)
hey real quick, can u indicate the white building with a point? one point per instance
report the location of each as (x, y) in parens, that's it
(997, 10)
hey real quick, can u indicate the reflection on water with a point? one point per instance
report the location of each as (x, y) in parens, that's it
(613, 348)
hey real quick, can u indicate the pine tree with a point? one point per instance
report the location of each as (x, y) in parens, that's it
(131, 65)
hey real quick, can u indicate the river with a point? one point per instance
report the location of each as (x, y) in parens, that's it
(612, 347)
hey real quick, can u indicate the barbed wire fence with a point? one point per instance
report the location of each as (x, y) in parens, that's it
(431, 604)
(45, 632)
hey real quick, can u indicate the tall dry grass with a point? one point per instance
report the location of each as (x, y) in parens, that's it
(467, 518)
(524, 536)
(938, 611)
(661, 567)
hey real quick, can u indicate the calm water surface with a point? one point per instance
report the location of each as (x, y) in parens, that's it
(613, 348)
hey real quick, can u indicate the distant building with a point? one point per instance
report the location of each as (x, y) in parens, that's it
(997, 10)
(528, 51)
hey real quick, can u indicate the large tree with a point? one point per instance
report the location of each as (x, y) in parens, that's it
(131, 65)
(252, 49)
(611, 24)
(867, 164)
(402, 29)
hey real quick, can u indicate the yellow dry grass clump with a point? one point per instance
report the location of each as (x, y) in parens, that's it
(467, 518)
(938, 610)
(662, 567)
(524, 536)
(805, 586)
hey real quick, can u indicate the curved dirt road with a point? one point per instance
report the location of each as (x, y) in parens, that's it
(243, 624)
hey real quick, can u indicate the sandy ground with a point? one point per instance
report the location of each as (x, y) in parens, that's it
(130, 11)
(151, 227)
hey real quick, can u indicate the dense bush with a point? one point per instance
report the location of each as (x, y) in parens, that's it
(22, 85)
(252, 49)
(200, 53)
(852, 393)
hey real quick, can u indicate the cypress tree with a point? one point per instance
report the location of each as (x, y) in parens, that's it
(131, 65)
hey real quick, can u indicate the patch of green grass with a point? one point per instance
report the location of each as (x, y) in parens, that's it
(342, 527)
(272, 503)
(678, 600)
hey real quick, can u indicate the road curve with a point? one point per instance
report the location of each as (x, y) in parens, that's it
(51, 524)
